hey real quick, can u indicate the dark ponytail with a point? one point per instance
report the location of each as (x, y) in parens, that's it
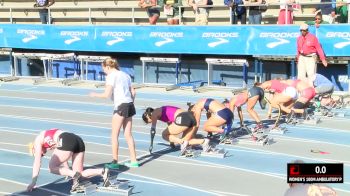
(190, 106)
(147, 114)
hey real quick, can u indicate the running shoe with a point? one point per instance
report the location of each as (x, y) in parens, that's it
(76, 182)
(112, 165)
(105, 176)
(132, 164)
(183, 148)
(205, 145)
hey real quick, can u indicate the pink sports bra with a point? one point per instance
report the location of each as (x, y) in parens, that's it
(168, 114)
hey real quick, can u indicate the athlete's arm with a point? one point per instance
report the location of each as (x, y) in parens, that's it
(106, 94)
(240, 115)
(37, 162)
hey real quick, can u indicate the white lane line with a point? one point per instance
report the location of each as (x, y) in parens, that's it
(308, 140)
(308, 127)
(260, 151)
(244, 149)
(140, 176)
(140, 156)
(138, 98)
(26, 89)
(109, 129)
(60, 110)
(12, 181)
(22, 166)
(75, 122)
(12, 144)
(172, 183)
(229, 193)
(39, 186)
(203, 162)
(60, 101)
(148, 182)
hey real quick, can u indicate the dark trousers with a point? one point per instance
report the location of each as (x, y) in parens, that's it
(44, 16)
(236, 18)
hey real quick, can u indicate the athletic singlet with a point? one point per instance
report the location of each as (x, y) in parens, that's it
(49, 140)
(295, 83)
(308, 93)
(207, 103)
(278, 86)
(168, 114)
(240, 100)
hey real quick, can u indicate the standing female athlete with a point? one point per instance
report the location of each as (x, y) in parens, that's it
(118, 86)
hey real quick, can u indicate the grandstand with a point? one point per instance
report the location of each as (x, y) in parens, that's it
(126, 12)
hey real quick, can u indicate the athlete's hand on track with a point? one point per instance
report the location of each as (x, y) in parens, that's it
(30, 187)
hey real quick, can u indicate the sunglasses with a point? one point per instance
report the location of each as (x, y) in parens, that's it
(303, 30)
(318, 19)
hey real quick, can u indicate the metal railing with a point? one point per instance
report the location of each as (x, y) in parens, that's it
(133, 8)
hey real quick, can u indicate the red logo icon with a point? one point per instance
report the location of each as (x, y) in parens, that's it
(294, 170)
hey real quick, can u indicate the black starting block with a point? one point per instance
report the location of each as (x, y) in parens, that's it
(116, 186)
(85, 187)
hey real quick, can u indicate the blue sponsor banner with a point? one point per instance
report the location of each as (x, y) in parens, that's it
(219, 40)
(274, 40)
(335, 39)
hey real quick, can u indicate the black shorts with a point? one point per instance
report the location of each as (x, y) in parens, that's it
(152, 11)
(186, 119)
(71, 142)
(126, 110)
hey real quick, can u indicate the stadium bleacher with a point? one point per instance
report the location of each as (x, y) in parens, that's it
(126, 12)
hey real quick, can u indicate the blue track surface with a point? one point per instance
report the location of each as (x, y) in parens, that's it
(242, 158)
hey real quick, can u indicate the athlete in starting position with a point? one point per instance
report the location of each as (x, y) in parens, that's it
(65, 146)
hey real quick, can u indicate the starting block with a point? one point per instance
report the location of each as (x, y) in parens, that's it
(100, 85)
(71, 81)
(278, 130)
(86, 188)
(341, 114)
(9, 78)
(191, 153)
(212, 152)
(215, 152)
(310, 120)
(255, 139)
(119, 187)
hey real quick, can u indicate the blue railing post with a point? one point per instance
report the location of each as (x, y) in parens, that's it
(292, 64)
(245, 77)
(261, 70)
(256, 70)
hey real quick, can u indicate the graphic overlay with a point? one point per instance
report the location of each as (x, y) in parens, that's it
(315, 173)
